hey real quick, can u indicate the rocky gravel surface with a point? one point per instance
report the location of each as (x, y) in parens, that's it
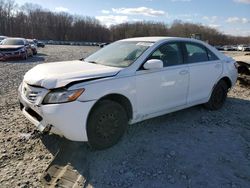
(189, 148)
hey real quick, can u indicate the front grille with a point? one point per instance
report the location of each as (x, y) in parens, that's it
(32, 93)
(32, 96)
(12, 53)
(9, 49)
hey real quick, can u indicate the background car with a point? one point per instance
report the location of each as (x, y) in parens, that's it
(15, 48)
(2, 38)
(33, 46)
(228, 48)
(221, 48)
(40, 44)
(103, 44)
(243, 47)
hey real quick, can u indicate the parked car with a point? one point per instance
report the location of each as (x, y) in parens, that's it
(13, 48)
(228, 48)
(243, 67)
(2, 38)
(234, 47)
(33, 46)
(243, 47)
(220, 48)
(40, 44)
(126, 82)
(103, 44)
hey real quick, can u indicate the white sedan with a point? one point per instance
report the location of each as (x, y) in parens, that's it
(126, 82)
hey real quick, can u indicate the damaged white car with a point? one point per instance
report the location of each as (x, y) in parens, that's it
(126, 82)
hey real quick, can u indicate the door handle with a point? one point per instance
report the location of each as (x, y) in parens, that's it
(183, 72)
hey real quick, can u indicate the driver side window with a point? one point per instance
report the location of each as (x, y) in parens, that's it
(170, 54)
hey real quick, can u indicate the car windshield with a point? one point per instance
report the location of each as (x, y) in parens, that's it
(31, 42)
(12, 42)
(119, 54)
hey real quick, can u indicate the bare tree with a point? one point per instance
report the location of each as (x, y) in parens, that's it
(32, 21)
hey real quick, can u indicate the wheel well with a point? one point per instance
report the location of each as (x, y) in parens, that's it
(122, 100)
(228, 82)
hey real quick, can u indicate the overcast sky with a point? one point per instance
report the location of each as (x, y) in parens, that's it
(229, 16)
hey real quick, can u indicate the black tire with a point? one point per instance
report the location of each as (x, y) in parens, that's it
(218, 96)
(106, 124)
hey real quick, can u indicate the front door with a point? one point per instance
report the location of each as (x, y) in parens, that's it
(159, 90)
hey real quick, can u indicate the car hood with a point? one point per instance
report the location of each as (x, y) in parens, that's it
(59, 74)
(10, 46)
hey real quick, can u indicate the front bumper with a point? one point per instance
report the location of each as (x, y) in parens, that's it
(9, 56)
(66, 119)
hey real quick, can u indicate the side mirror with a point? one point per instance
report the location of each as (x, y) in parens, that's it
(153, 64)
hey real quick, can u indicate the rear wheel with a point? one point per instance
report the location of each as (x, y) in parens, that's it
(218, 96)
(106, 124)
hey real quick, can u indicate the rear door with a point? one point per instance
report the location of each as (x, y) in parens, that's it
(205, 68)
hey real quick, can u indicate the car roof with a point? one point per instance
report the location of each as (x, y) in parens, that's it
(158, 39)
(180, 39)
(146, 39)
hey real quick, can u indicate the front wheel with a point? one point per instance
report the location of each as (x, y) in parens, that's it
(106, 124)
(218, 96)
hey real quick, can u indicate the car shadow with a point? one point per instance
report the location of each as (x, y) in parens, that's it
(189, 148)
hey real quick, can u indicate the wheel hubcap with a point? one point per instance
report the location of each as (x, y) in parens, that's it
(107, 125)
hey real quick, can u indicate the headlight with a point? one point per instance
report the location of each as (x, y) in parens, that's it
(62, 96)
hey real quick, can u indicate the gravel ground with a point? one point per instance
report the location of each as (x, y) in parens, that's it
(188, 148)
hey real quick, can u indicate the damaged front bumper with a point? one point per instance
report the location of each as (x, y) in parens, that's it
(34, 117)
(65, 119)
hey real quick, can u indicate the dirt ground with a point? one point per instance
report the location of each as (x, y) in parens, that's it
(189, 148)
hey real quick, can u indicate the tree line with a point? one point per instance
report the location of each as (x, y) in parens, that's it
(32, 21)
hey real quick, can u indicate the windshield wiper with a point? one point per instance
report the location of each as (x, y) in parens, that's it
(94, 62)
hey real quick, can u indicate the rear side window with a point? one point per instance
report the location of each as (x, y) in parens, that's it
(211, 56)
(170, 54)
(196, 53)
